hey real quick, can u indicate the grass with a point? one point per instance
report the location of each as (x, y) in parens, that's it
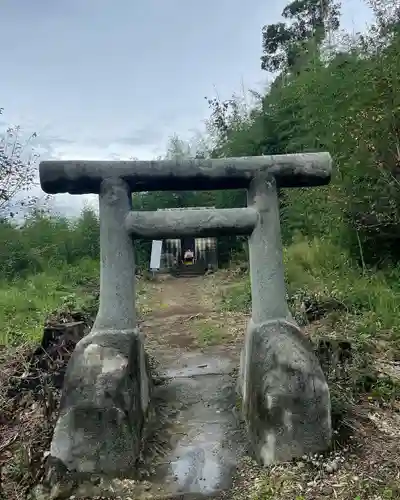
(29, 397)
(238, 297)
(208, 334)
(26, 303)
(363, 304)
(284, 486)
(370, 299)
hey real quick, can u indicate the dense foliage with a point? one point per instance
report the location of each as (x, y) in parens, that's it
(341, 98)
(286, 45)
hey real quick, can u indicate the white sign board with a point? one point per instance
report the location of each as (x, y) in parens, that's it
(155, 259)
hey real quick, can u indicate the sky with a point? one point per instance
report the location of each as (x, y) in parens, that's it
(102, 79)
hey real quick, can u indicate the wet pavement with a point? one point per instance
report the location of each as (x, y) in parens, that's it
(205, 438)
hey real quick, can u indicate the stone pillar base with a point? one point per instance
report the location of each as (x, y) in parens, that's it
(104, 404)
(286, 401)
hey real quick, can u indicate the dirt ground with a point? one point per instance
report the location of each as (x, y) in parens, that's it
(186, 313)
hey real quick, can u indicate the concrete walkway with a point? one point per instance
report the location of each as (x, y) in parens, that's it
(199, 436)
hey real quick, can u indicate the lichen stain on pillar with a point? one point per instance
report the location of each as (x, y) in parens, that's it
(286, 401)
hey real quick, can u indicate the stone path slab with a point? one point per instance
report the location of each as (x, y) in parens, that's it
(205, 438)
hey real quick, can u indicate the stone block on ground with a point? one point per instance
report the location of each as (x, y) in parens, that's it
(104, 404)
(286, 401)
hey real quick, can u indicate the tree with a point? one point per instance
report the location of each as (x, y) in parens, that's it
(308, 23)
(18, 164)
(178, 149)
(387, 14)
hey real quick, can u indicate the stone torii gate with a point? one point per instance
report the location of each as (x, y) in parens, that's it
(107, 388)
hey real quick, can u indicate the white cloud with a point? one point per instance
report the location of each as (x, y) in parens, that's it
(72, 205)
(113, 151)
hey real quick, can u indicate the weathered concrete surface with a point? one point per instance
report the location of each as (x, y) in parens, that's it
(103, 406)
(268, 290)
(117, 259)
(286, 400)
(199, 223)
(200, 427)
(80, 177)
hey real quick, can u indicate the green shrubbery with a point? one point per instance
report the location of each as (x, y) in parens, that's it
(44, 243)
(363, 305)
(44, 263)
(320, 271)
(26, 303)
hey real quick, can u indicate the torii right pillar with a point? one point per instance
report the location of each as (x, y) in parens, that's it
(286, 401)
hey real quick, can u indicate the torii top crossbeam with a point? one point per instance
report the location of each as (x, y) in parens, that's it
(83, 177)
